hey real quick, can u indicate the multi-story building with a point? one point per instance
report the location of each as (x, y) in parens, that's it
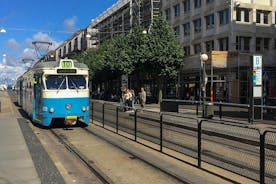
(230, 31)
(119, 18)
(125, 15)
(76, 43)
(239, 27)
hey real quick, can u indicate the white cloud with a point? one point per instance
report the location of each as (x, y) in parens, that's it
(13, 66)
(12, 44)
(70, 23)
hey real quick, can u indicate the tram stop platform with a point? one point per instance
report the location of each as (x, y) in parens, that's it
(16, 164)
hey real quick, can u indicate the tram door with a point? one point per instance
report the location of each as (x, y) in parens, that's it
(37, 114)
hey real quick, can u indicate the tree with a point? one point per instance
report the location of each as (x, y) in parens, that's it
(164, 55)
(116, 54)
(156, 54)
(92, 59)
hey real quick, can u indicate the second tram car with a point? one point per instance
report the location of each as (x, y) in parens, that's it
(55, 90)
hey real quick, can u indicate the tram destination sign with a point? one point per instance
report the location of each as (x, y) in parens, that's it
(66, 71)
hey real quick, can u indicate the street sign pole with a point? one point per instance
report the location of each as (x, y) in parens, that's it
(257, 83)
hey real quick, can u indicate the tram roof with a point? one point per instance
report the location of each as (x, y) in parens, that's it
(54, 64)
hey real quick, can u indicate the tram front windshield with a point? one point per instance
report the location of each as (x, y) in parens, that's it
(57, 82)
(76, 82)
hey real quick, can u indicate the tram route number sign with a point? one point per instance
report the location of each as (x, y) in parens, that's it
(66, 64)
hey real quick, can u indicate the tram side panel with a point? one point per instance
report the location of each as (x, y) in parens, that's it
(27, 97)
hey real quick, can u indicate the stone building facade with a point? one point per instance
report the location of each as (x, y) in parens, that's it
(230, 31)
(240, 27)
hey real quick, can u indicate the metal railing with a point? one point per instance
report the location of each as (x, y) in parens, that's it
(244, 110)
(238, 148)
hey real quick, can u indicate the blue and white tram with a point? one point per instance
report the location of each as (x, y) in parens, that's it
(53, 90)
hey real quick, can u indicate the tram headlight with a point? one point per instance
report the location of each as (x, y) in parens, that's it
(83, 109)
(68, 106)
(51, 110)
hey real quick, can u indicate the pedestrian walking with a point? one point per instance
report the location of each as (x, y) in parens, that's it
(123, 98)
(143, 97)
(132, 99)
(127, 97)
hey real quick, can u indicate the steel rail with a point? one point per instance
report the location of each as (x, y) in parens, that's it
(101, 176)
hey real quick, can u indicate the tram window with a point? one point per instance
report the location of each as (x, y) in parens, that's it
(55, 82)
(76, 82)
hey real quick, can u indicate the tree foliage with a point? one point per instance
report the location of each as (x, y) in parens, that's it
(92, 59)
(156, 54)
(164, 53)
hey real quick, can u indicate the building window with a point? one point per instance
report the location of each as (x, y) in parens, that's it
(210, 21)
(177, 30)
(266, 43)
(75, 44)
(266, 17)
(70, 47)
(243, 14)
(242, 43)
(186, 5)
(209, 1)
(197, 48)
(258, 44)
(263, 17)
(197, 3)
(168, 14)
(209, 45)
(223, 44)
(177, 10)
(186, 29)
(64, 50)
(187, 51)
(224, 17)
(262, 44)
(197, 25)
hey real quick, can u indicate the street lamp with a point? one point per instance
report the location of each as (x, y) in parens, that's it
(2, 30)
(203, 59)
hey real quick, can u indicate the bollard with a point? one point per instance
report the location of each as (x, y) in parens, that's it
(103, 115)
(161, 132)
(220, 110)
(92, 113)
(199, 143)
(135, 125)
(249, 113)
(117, 120)
(262, 157)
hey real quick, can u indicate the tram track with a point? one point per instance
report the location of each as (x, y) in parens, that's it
(74, 160)
(140, 158)
(73, 148)
(216, 148)
(105, 169)
(92, 168)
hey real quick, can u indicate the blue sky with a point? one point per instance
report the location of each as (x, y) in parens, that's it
(49, 20)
